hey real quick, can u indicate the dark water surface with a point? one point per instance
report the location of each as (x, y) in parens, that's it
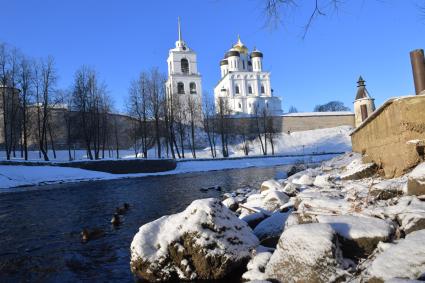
(40, 229)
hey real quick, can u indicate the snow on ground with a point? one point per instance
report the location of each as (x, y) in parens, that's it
(315, 141)
(21, 175)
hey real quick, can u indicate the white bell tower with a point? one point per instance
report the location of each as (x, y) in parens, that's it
(184, 81)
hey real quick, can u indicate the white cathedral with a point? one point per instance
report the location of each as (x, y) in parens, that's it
(244, 87)
(184, 81)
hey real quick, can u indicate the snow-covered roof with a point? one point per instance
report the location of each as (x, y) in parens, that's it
(330, 113)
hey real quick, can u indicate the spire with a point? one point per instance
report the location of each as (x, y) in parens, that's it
(361, 89)
(180, 32)
(361, 82)
(239, 39)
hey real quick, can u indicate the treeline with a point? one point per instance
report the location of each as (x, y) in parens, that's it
(34, 108)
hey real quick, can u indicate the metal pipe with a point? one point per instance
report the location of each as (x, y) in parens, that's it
(418, 67)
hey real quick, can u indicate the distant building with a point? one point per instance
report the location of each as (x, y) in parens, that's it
(244, 86)
(184, 80)
(364, 104)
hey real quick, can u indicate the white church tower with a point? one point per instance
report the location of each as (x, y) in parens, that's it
(184, 81)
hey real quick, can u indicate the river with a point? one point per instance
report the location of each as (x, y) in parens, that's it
(40, 228)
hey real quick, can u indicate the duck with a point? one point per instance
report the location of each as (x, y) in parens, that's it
(87, 235)
(123, 209)
(116, 219)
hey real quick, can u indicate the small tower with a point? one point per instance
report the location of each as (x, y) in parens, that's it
(257, 60)
(364, 104)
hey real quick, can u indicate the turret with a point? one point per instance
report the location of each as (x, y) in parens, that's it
(364, 104)
(257, 61)
(224, 66)
(232, 57)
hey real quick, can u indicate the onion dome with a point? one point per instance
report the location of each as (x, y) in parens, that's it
(224, 62)
(231, 52)
(239, 46)
(256, 53)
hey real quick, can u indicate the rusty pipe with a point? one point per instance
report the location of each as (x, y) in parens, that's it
(418, 67)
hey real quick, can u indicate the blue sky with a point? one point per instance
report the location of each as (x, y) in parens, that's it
(371, 38)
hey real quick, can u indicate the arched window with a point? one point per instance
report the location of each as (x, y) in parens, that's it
(262, 89)
(185, 66)
(237, 89)
(180, 88)
(250, 89)
(192, 88)
(240, 105)
(243, 63)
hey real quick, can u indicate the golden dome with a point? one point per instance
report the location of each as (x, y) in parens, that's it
(239, 46)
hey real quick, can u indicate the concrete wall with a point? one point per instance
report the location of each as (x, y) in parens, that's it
(384, 137)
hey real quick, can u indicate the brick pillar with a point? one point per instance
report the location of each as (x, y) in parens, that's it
(418, 67)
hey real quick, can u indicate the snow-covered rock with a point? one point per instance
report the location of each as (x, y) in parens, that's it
(273, 200)
(359, 235)
(256, 267)
(290, 189)
(305, 180)
(409, 212)
(416, 181)
(205, 241)
(231, 203)
(322, 181)
(270, 185)
(358, 170)
(405, 259)
(271, 228)
(306, 253)
(389, 188)
(254, 219)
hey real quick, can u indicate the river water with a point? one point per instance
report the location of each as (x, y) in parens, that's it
(40, 229)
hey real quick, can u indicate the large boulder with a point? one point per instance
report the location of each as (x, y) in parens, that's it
(416, 181)
(306, 253)
(404, 259)
(231, 203)
(205, 241)
(273, 200)
(359, 235)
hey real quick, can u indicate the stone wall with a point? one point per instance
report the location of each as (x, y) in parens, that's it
(393, 136)
(297, 122)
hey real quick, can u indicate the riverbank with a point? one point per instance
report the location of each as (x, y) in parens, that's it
(12, 176)
(339, 222)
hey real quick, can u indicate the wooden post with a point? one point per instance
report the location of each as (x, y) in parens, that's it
(418, 67)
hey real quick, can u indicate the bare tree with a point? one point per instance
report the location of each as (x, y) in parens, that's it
(157, 99)
(209, 123)
(224, 125)
(25, 83)
(260, 129)
(194, 118)
(48, 81)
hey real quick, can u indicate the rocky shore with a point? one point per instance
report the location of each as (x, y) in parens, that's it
(340, 222)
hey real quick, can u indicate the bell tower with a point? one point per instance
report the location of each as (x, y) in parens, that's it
(184, 80)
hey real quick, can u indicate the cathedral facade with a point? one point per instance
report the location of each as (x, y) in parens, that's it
(244, 88)
(184, 80)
